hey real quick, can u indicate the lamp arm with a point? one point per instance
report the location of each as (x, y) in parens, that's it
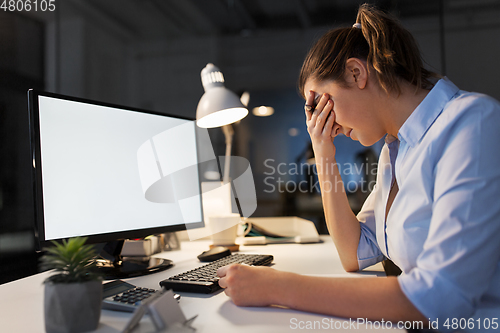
(228, 133)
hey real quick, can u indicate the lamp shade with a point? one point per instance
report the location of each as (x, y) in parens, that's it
(218, 106)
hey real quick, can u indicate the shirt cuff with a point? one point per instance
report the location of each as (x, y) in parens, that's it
(366, 262)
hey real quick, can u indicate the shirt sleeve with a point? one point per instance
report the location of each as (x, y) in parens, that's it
(368, 251)
(462, 250)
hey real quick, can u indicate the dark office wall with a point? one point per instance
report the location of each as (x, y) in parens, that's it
(21, 68)
(471, 46)
(86, 58)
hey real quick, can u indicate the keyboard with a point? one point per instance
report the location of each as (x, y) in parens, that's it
(204, 279)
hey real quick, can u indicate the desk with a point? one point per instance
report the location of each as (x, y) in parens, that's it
(22, 300)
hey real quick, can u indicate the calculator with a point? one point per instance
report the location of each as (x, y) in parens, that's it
(119, 295)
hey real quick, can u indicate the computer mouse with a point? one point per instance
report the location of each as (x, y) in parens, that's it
(214, 253)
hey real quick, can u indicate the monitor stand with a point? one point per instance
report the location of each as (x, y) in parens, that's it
(113, 266)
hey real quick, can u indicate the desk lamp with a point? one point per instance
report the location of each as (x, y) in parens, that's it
(219, 107)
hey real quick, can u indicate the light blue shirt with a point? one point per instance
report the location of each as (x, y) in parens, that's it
(443, 229)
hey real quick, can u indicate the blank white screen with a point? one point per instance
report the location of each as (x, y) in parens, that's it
(90, 169)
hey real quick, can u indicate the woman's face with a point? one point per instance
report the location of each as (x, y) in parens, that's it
(354, 110)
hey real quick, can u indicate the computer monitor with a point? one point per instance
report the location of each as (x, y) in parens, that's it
(112, 173)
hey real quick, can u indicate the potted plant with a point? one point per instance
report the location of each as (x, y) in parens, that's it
(73, 293)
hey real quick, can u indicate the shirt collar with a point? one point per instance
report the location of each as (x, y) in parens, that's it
(427, 111)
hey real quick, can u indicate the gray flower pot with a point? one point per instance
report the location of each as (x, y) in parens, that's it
(72, 307)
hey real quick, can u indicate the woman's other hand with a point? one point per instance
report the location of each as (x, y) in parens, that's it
(250, 286)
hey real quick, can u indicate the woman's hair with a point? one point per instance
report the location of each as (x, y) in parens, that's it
(387, 47)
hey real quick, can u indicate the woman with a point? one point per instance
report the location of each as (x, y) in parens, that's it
(434, 210)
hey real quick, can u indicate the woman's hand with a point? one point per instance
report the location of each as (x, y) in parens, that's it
(321, 125)
(249, 286)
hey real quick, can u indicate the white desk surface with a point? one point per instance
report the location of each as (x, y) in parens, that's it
(21, 309)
